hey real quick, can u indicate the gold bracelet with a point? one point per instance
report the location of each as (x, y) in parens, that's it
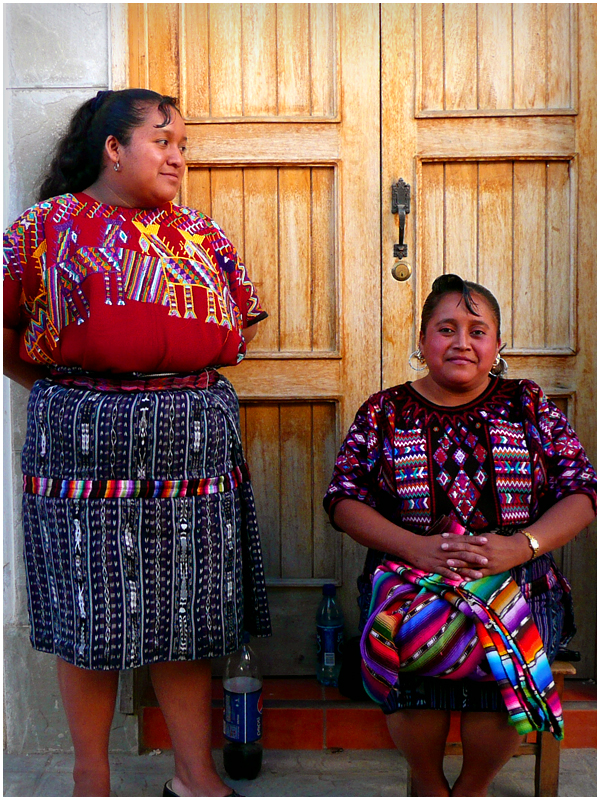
(533, 543)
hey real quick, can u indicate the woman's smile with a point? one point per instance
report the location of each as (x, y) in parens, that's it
(459, 348)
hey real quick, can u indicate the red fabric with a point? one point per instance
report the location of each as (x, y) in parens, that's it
(113, 289)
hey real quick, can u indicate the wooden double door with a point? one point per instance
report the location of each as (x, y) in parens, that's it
(300, 118)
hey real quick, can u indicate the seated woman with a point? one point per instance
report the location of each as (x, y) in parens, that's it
(495, 457)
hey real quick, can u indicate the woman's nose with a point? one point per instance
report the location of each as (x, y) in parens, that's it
(176, 157)
(462, 339)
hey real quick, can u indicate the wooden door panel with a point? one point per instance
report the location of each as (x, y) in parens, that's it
(259, 58)
(232, 61)
(495, 235)
(494, 61)
(294, 259)
(262, 452)
(478, 59)
(291, 448)
(460, 56)
(286, 236)
(288, 165)
(460, 217)
(511, 225)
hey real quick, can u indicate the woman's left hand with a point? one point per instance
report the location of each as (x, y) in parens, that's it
(502, 552)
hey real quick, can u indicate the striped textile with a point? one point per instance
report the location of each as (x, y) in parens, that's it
(90, 489)
(482, 630)
(140, 532)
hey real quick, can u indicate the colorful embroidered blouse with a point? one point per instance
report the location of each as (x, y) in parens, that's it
(500, 461)
(113, 289)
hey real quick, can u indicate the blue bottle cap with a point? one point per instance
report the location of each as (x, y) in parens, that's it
(329, 589)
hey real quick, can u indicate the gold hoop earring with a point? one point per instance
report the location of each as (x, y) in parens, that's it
(418, 355)
(499, 367)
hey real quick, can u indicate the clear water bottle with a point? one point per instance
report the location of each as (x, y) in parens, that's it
(330, 637)
(242, 714)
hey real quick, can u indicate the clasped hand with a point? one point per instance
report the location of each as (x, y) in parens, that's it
(471, 557)
(476, 557)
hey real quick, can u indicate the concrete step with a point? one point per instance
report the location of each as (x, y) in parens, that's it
(300, 714)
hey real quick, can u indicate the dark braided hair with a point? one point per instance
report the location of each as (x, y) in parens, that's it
(446, 284)
(77, 161)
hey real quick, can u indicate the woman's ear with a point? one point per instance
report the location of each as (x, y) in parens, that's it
(111, 149)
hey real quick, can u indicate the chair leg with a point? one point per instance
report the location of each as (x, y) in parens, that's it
(547, 766)
(410, 792)
(547, 759)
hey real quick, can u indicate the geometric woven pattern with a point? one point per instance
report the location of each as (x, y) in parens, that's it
(494, 462)
(459, 457)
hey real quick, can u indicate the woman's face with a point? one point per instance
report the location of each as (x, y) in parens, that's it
(152, 165)
(458, 346)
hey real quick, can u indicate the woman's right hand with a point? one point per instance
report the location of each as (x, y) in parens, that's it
(426, 553)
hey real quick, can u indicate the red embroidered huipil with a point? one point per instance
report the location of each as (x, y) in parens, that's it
(111, 289)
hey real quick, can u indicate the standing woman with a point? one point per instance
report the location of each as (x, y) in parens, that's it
(141, 541)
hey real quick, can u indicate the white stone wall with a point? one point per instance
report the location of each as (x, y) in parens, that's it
(56, 55)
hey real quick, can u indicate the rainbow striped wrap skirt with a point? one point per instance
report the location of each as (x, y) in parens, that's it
(424, 624)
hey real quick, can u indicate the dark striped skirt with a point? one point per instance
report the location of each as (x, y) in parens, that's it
(141, 538)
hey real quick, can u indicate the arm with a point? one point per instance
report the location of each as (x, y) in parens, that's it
(555, 528)
(368, 527)
(250, 332)
(14, 367)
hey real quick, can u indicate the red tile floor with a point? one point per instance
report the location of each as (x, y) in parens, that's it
(300, 714)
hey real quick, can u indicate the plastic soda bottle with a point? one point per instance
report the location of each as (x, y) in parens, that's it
(242, 714)
(330, 637)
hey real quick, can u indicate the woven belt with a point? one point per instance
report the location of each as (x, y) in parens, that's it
(137, 383)
(115, 489)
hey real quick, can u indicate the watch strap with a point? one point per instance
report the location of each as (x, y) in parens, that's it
(533, 543)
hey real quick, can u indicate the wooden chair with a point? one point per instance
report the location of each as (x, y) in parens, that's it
(545, 748)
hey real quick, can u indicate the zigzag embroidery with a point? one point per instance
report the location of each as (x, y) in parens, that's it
(513, 484)
(131, 271)
(420, 519)
(515, 515)
(407, 488)
(413, 472)
(510, 462)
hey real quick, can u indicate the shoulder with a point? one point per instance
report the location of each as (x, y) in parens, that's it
(527, 387)
(186, 217)
(58, 208)
(516, 391)
(530, 394)
(36, 214)
(534, 407)
(386, 398)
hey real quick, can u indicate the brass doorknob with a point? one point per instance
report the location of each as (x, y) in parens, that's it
(401, 271)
